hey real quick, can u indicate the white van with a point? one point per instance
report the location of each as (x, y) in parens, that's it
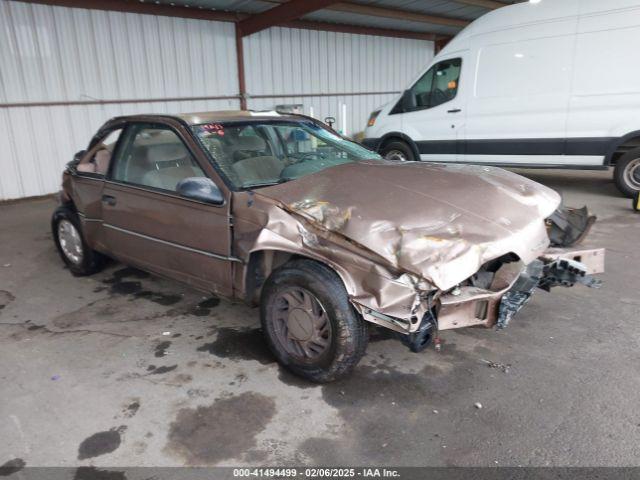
(547, 83)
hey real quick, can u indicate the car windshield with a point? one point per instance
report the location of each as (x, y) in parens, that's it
(253, 154)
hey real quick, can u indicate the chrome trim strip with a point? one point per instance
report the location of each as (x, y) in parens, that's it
(87, 219)
(171, 244)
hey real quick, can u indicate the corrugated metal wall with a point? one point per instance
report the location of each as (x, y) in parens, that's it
(289, 63)
(56, 54)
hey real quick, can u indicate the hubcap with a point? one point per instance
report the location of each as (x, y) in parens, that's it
(70, 241)
(396, 156)
(301, 324)
(632, 174)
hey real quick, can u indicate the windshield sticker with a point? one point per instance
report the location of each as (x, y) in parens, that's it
(214, 128)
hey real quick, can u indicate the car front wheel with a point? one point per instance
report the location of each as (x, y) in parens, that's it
(73, 249)
(309, 324)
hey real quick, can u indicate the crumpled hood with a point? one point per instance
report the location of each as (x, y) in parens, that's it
(441, 222)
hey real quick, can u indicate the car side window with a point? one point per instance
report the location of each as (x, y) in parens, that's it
(97, 160)
(154, 156)
(437, 86)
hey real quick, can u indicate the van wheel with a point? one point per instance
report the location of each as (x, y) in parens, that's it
(309, 324)
(627, 173)
(397, 151)
(74, 251)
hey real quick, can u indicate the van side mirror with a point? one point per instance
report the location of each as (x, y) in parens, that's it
(200, 188)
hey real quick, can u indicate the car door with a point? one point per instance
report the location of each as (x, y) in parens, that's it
(432, 111)
(147, 223)
(89, 176)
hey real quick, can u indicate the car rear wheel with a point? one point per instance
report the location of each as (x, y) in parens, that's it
(74, 251)
(309, 324)
(397, 151)
(627, 173)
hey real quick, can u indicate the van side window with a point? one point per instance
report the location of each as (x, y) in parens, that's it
(437, 86)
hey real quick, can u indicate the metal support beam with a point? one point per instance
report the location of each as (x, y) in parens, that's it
(488, 4)
(145, 8)
(385, 12)
(285, 12)
(405, 15)
(359, 30)
(242, 86)
(440, 43)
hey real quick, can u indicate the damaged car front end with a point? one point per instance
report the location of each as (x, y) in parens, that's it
(416, 257)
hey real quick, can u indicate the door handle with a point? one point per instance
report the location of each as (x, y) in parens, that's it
(454, 110)
(109, 200)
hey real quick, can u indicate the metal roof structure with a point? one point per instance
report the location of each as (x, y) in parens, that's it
(437, 20)
(439, 17)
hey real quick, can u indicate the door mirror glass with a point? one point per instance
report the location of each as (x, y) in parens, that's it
(200, 188)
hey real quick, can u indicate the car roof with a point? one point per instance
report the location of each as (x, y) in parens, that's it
(196, 118)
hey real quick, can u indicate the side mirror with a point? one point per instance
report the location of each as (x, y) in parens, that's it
(200, 188)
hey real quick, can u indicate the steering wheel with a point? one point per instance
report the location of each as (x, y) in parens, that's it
(438, 96)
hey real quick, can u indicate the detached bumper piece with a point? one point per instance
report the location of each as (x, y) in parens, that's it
(566, 273)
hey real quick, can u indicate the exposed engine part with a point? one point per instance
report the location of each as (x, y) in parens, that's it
(421, 339)
(567, 273)
(568, 226)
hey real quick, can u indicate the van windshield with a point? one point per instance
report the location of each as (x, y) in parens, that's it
(254, 154)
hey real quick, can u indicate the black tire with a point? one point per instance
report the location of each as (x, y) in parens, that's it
(621, 174)
(348, 332)
(397, 150)
(90, 261)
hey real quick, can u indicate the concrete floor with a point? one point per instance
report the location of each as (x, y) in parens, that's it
(88, 377)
